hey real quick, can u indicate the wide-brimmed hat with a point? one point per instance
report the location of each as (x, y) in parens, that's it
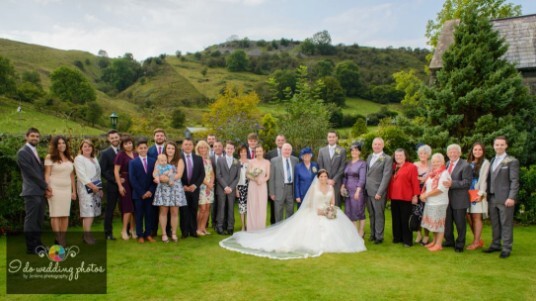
(305, 151)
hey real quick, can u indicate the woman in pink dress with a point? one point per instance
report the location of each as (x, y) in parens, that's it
(258, 173)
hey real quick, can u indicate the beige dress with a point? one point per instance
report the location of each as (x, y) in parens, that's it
(257, 196)
(60, 182)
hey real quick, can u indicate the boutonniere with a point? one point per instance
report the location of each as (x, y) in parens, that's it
(314, 169)
(381, 158)
(506, 160)
(337, 151)
(235, 161)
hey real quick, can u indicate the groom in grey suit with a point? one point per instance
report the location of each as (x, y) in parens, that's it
(281, 186)
(227, 174)
(332, 158)
(34, 190)
(379, 171)
(503, 186)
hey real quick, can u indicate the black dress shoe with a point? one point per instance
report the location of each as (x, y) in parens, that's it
(194, 235)
(378, 241)
(219, 231)
(447, 245)
(407, 246)
(372, 238)
(504, 254)
(491, 250)
(110, 237)
(184, 236)
(230, 232)
(458, 250)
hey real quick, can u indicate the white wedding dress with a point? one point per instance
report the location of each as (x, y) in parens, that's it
(304, 234)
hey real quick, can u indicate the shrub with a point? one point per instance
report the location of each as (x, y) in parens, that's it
(526, 205)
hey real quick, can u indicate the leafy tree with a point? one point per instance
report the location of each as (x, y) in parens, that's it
(178, 118)
(7, 76)
(453, 9)
(332, 91)
(306, 120)
(478, 94)
(70, 85)
(268, 131)
(29, 92)
(307, 47)
(359, 128)
(237, 61)
(348, 75)
(385, 94)
(412, 86)
(122, 72)
(93, 113)
(322, 42)
(234, 114)
(32, 77)
(323, 68)
(283, 83)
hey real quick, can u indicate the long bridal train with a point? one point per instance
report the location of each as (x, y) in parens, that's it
(304, 234)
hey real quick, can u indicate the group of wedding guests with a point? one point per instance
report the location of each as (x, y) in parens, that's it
(156, 184)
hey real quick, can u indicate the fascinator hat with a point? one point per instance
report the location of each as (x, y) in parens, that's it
(305, 151)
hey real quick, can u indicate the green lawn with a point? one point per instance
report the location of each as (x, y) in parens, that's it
(14, 122)
(198, 269)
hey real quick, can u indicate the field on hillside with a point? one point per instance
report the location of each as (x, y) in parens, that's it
(14, 122)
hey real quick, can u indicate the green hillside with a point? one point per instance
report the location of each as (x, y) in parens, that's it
(190, 82)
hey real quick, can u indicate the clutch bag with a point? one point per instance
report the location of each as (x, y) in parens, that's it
(473, 196)
(97, 183)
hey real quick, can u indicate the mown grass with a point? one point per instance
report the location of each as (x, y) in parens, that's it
(14, 122)
(198, 269)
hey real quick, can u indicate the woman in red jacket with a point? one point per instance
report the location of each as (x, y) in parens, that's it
(403, 191)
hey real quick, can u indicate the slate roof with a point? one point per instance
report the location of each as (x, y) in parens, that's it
(518, 32)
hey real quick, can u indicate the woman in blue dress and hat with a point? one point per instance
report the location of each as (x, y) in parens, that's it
(304, 174)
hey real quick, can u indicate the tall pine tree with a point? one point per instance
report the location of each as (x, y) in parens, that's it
(478, 94)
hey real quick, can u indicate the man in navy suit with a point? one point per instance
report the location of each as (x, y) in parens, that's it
(192, 178)
(158, 148)
(106, 162)
(140, 172)
(34, 190)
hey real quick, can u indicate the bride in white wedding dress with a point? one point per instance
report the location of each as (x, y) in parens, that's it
(307, 233)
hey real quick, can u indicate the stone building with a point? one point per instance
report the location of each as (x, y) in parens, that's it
(518, 32)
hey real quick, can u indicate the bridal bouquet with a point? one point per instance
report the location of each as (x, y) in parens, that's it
(329, 212)
(255, 172)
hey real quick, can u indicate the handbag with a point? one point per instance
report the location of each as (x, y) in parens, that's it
(473, 196)
(416, 216)
(97, 183)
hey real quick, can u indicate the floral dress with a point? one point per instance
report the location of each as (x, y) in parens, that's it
(206, 196)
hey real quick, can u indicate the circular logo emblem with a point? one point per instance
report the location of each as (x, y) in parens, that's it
(57, 253)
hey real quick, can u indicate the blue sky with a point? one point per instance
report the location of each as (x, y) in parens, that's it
(148, 28)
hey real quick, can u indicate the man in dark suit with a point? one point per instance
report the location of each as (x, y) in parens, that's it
(34, 190)
(253, 140)
(379, 171)
(106, 162)
(211, 139)
(461, 175)
(140, 172)
(333, 159)
(503, 186)
(192, 178)
(281, 185)
(227, 173)
(218, 154)
(159, 147)
(279, 141)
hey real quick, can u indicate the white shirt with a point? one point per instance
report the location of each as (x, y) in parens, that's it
(497, 161)
(243, 176)
(285, 169)
(332, 150)
(34, 150)
(375, 158)
(229, 161)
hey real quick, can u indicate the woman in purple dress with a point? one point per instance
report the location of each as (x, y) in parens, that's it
(121, 162)
(352, 188)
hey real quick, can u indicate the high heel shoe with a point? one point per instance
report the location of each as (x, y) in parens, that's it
(435, 248)
(125, 236)
(174, 238)
(165, 239)
(200, 233)
(133, 233)
(429, 245)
